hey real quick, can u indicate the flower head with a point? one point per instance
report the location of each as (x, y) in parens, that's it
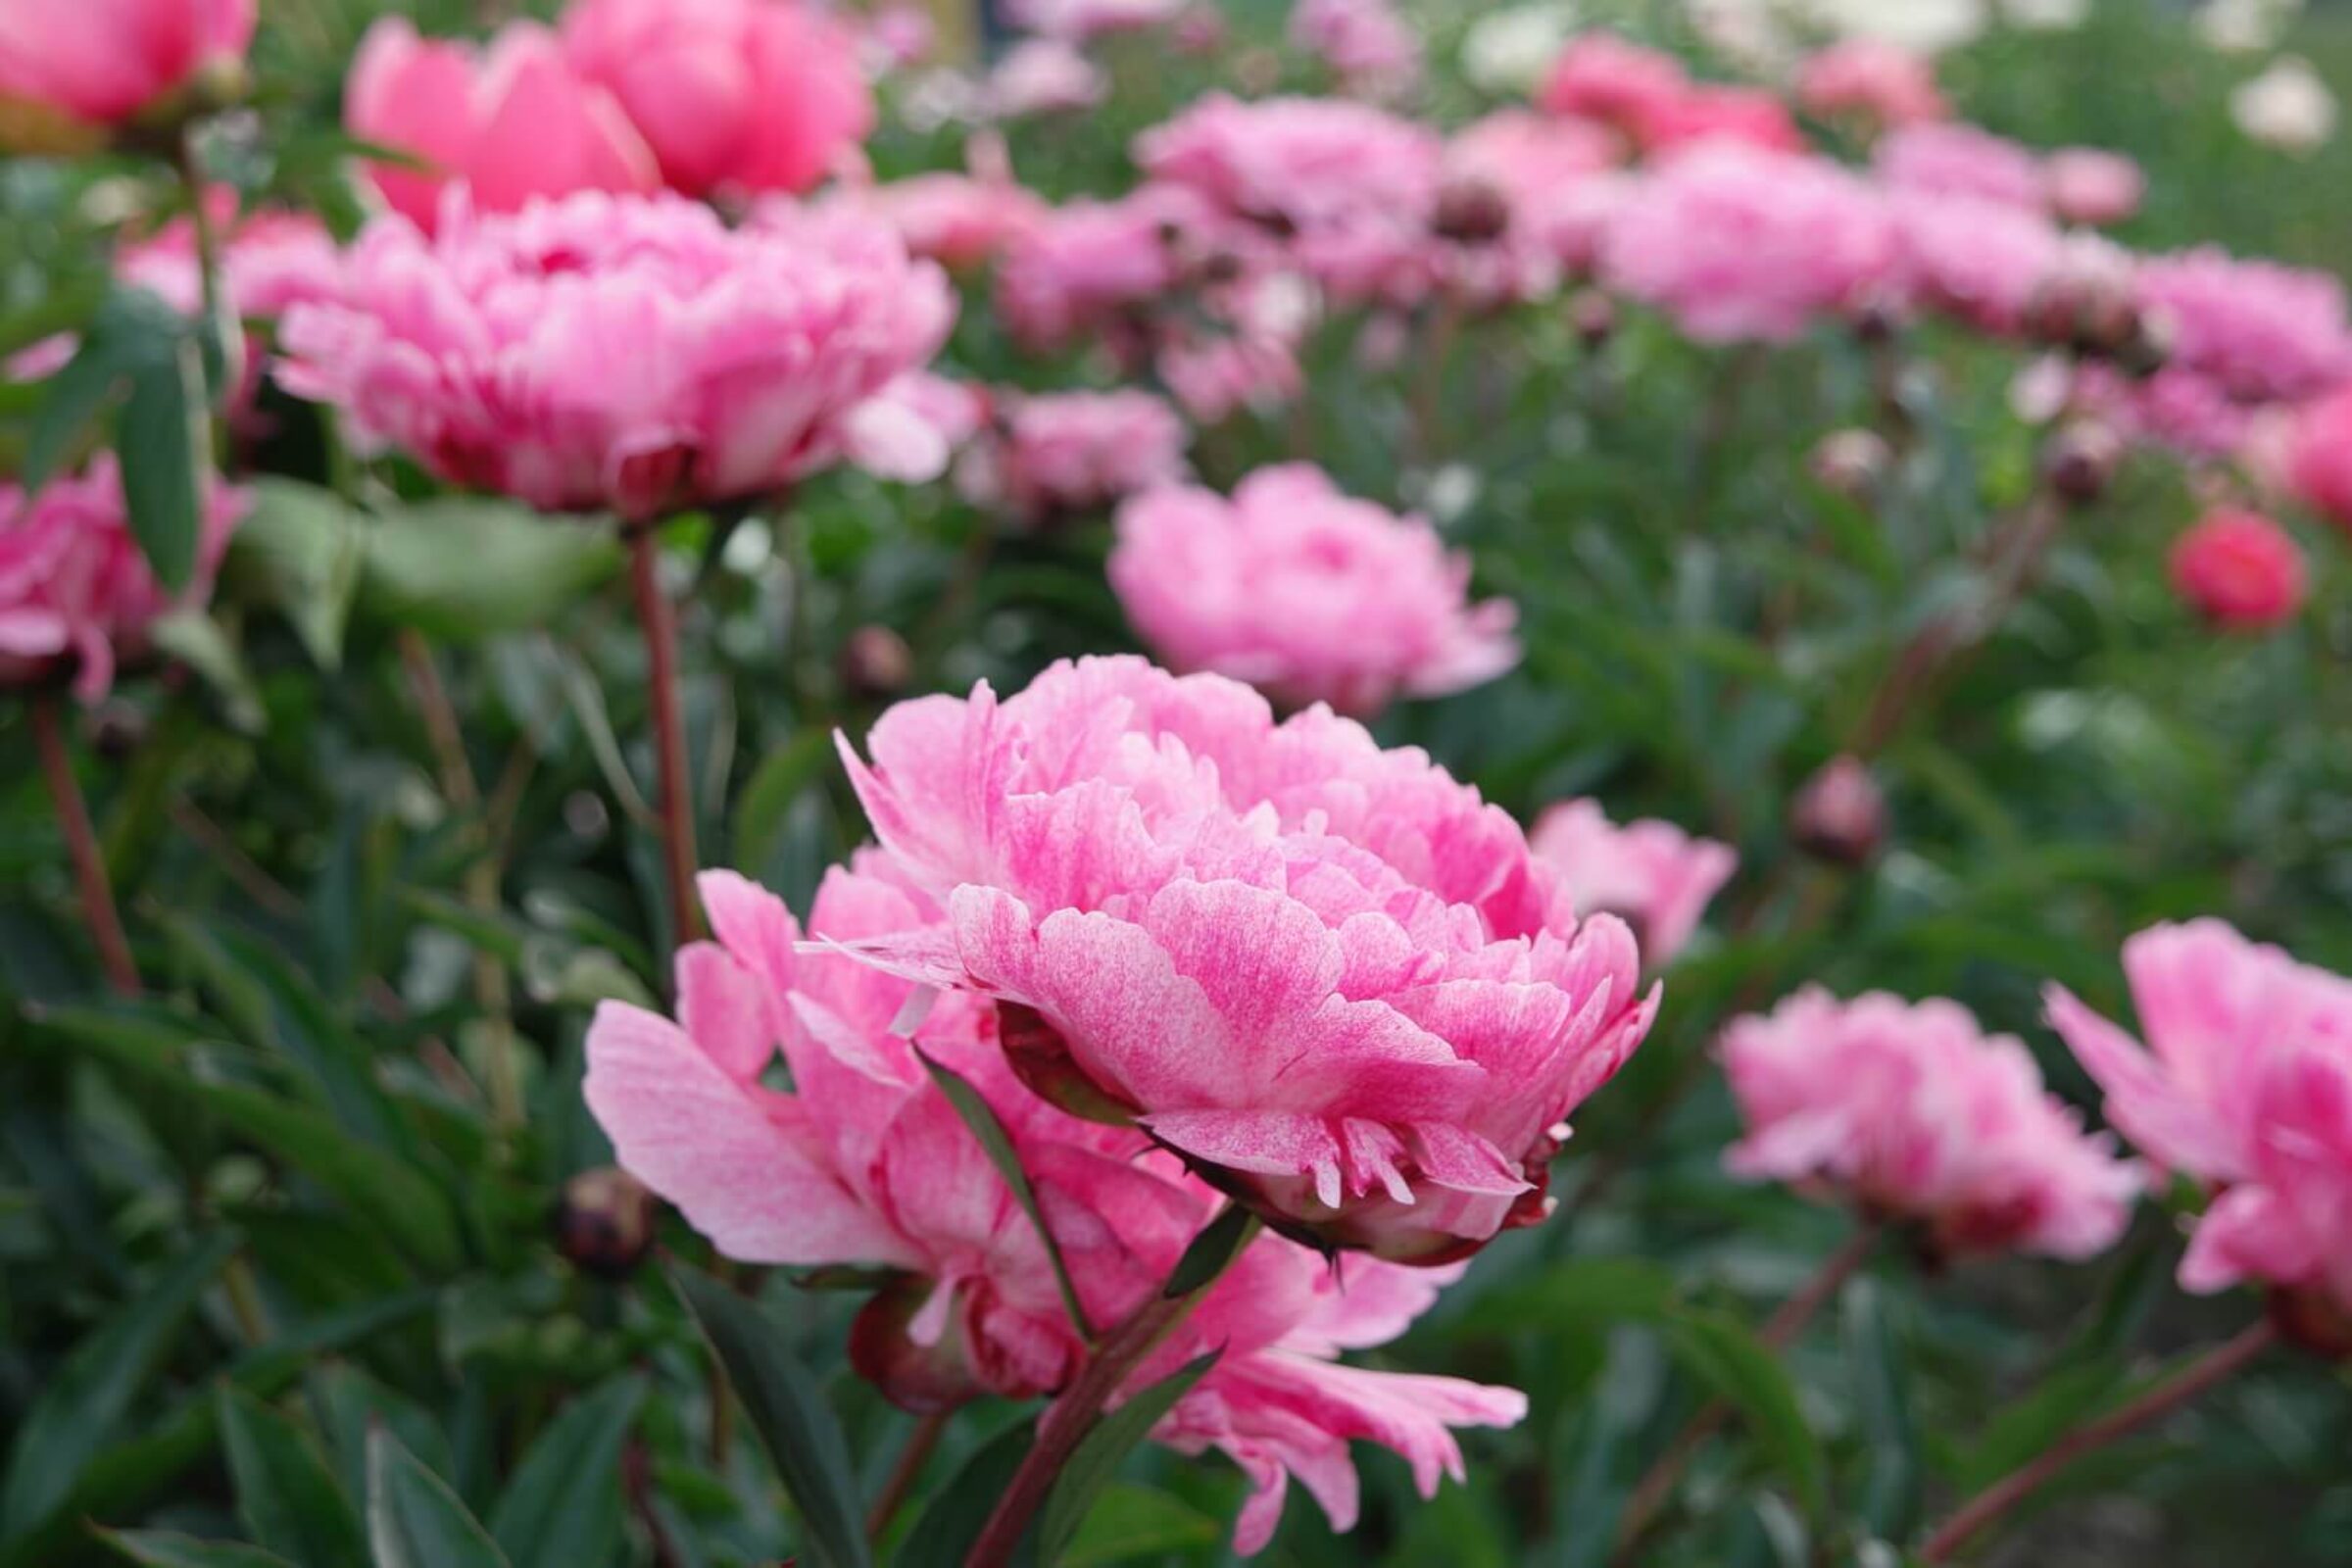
(1372, 49)
(1950, 159)
(1656, 877)
(101, 62)
(2319, 456)
(1881, 82)
(2092, 185)
(2241, 570)
(1074, 452)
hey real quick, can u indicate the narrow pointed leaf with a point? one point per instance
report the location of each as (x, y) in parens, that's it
(1206, 1254)
(415, 1520)
(948, 1527)
(1739, 1369)
(164, 444)
(161, 1549)
(287, 1498)
(563, 1508)
(1099, 1453)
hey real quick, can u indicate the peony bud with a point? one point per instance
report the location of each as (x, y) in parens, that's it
(1471, 212)
(2081, 461)
(1850, 462)
(875, 663)
(1840, 814)
(604, 1222)
(1593, 317)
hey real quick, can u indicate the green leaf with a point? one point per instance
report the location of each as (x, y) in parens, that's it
(812, 1456)
(1875, 1348)
(462, 569)
(1722, 1354)
(286, 1496)
(1206, 1254)
(1099, 1453)
(1579, 1293)
(952, 1522)
(761, 811)
(982, 1120)
(415, 1520)
(101, 366)
(197, 641)
(1132, 1521)
(349, 1404)
(159, 1548)
(164, 444)
(300, 551)
(563, 1508)
(86, 1399)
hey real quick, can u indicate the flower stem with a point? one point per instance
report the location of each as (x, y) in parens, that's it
(657, 623)
(219, 318)
(1656, 1487)
(905, 1472)
(98, 911)
(2165, 1397)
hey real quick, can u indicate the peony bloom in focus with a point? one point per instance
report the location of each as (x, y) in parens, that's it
(2246, 1086)
(1948, 159)
(1602, 77)
(1741, 245)
(1075, 452)
(1329, 976)
(508, 123)
(2240, 571)
(76, 593)
(1881, 83)
(632, 354)
(862, 1161)
(1909, 1110)
(96, 63)
(734, 96)
(2319, 457)
(1311, 595)
(1651, 874)
(2092, 185)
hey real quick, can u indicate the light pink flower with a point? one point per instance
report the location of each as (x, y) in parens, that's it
(1044, 76)
(1655, 876)
(101, 62)
(959, 220)
(1310, 594)
(1981, 261)
(508, 122)
(2257, 331)
(2240, 571)
(1909, 1109)
(1602, 77)
(624, 353)
(731, 95)
(1554, 176)
(2247, 1087)
(1949, 159)
(2092, 185)
(1077, 20)
(1214, 375)
(1088, 264)
(1737, 244)
(1325, 973)
(1372, 49)
(1881, 83)
(2319, 456)
(1075, 452)
(75, 592)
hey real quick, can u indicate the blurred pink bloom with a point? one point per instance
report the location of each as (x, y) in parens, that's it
(732, 95)
(1215, 375)
(508, 122)
(1327, 973)
(630, 353)
(2259, 332)
(1366, 43)
(1082, 266)
(1879, 82)
(1044, 76)
(1655, 876)
(76, 593)
(2247, 1088)
(270, 261)
(1984, 262)
(2319, 456)
(1602, 77)
(1075, 452)
(1949, 159)
(101, 62)
(1737, 244)
(1554, 176)
(1080, 20)
(2241, 570)
(896, 37)
(959, 220)
(1705, 114)
(1305, 592)
(1910, 1111)
(2093, 186)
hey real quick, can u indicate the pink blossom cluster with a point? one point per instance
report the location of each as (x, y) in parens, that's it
(2245, 1087)
(76, 594)
(1654, 875)
(1056, 454)
(1373, 50)
(1908, 1110)
(101, 62)
(1881, 83)
(631, 353)
(1646, 97)
(1308, 594)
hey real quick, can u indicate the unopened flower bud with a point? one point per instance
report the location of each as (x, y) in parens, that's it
(1852, 463)
(1840, 814)
(2087, 305)
(1878, 317)
(2149, 347)
(1593, 317)
(116, 728)
(1471, 212)
(876, 664)
(2081, 461)
(604, 1222)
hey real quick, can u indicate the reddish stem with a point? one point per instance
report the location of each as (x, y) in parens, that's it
(2214, 1366)
(658, 623)
(921, 1442)
(98, 911)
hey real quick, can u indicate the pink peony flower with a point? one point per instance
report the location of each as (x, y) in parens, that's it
(1075, 452)
(2257, 331)
(624, 353)
(862, 1161)
(957, 220)
(2319, 456)
(731, 95)
(1650, 874)
(508, 122)
(76, 593)
(1330, 977)
(1948, 159)
(1551, 177)
(1602, 77)
(1879, 82)
(1091, 264)
(1044, 76)
(2247, 1088)
(1909, 1109)
(1365, 43)
(2240, 571)
(1310, 594)
(1737, 244)
(2090, 186)
(1080, 20)
(1215, 375)
(1984, 262)
(1705, 114)
(101, 62)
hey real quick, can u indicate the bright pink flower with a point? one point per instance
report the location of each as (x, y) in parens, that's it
(1881, 83)
(2319, 456)
(2241, 570)
(1948, 159)
(2248, 1089)
(1705, 114)
(1910, 1110)
(101, 62)
(1077, 20)
(2257, 331)
(1980, 262)
(75, 592)
(1365, 43)
(624, 353)
(508, 122)
(1651, 873)
(957, 220)
(2090, 186)
(732, 95)
(1326, 973)
(1306, 593)
(1602, 77)
(1737, 244)
(1075, 452)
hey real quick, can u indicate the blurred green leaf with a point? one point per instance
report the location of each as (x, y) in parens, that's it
(951, 1521)
(1876, 1348)
(463, 568)
(1097, 1459)
(564, 1507)
(164, 444)
(159, 1548)
(286, 1496)
(1130, 1521)
(415, 1520)
(298, 551)
(1739, 1369)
